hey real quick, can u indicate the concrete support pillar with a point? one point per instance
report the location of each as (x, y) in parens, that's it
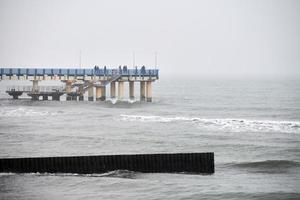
(80, 92)
(103, 93)
(149, 91)
(131, 90)
(35, 97)
(74, 97)
(100, 93)
(121, 90)
(113, 90)
(69, 90)
(45, 97)
(91, 92)
(142, 90)
(55, 97)
(35, 86)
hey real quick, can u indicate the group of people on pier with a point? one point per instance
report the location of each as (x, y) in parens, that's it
(122, 70)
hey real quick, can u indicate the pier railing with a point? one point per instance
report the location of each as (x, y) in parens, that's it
(39, 88)
(77, 72)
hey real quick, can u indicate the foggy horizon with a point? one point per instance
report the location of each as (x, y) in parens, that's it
(191, 38)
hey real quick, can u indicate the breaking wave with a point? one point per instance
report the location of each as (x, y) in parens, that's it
(233, 125)
(113, 174)
(121, 174)
(116, 101)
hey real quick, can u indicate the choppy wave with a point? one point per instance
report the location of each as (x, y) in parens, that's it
(233, 125)
(24, 112)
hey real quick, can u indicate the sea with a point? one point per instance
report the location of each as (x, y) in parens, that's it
(252, 126)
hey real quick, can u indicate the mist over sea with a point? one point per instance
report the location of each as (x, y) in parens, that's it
(252, 125)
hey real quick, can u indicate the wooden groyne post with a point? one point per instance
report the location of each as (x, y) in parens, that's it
(147, 163)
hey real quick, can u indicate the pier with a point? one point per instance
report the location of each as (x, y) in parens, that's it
(79, 81)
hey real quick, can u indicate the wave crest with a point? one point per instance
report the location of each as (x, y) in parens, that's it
(233, 125)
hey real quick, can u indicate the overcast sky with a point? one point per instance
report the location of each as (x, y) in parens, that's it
(205, 38)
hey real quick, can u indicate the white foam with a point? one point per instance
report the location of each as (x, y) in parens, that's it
(21, 112)
(233, 125)
(115, 100)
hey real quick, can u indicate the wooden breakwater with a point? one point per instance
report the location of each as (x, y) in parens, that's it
(147, 163)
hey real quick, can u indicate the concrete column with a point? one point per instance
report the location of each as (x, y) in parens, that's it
(45, 97)
(149, 91)
(113, 90)
(74, 97)
(103, 93)
(131, 90)
(35, 86)
(80, 97)
(91, 92)
(35, 97)
(69, 90)
(98, 93)
(142, 90)
(121, 90)
(55, 97)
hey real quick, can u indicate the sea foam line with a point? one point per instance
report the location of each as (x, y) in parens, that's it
(20, 112)
(224, 124)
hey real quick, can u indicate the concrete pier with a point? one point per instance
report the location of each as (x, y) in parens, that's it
(113, 90)
(142, 91)
(131, 90)
(149, 91)
(120, 90)
(79, 81)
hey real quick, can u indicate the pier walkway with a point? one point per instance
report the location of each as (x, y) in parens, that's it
(79, 80)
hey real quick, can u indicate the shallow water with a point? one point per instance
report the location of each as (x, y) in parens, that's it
(253, 126)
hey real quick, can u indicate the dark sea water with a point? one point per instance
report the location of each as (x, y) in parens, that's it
(253, 126)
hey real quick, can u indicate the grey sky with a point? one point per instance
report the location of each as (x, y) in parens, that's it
(192, 37)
